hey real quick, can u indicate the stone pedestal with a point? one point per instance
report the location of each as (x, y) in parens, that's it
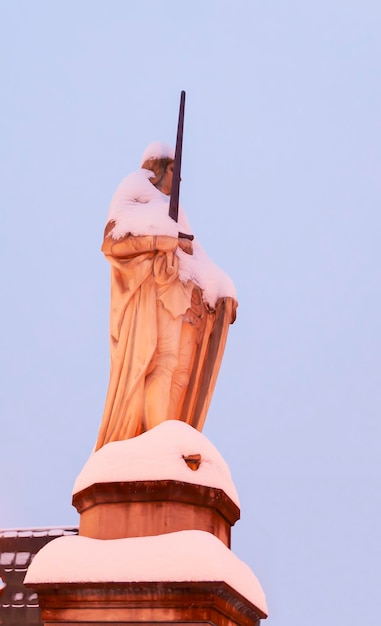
(150, 551)
(145, 508)
(151, 604)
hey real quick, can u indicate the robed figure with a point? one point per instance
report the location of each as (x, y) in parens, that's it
(171, 307)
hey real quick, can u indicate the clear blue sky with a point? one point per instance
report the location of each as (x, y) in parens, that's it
(281, 183)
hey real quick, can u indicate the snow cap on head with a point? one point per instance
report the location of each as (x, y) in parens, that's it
(157, 150)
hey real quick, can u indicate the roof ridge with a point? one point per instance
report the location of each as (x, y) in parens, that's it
(41, 530)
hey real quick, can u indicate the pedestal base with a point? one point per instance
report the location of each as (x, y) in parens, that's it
(146, 603)
(154, 540)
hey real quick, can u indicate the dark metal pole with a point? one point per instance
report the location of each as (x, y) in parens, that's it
(175, 190)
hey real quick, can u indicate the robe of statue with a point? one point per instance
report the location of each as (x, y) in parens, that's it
(166, 339)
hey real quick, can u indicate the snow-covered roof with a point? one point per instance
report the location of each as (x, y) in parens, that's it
(188, 555)
(18, 547)
(159, 454)
(38, 531)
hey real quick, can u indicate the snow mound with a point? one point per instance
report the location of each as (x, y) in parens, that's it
(158, 150)
(158, 455)
(188, 555)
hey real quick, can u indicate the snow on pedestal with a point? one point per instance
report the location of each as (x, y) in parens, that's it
(186, 556)
(169, 544)
(159, 454)
(170, 478)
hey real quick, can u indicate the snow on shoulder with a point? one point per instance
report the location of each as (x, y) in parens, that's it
(187, 555)
(158, 455)
(138, 208)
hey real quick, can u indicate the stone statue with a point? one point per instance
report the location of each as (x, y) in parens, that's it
(170, 308)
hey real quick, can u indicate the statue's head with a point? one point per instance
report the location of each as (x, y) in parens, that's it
(159, 159)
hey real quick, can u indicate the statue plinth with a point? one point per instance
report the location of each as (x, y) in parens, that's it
(153, 547)
(144, 508)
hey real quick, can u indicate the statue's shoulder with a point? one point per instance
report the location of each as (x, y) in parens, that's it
(136, 185)
(135, 189)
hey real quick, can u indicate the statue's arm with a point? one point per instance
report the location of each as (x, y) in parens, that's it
(132, 245)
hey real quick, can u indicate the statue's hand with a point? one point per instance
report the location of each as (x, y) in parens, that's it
(186, 245)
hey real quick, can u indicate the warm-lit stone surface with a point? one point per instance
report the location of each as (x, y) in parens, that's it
(144, 508)
(146, 603)
(171, 308)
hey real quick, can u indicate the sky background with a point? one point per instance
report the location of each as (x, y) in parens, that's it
(281, 183)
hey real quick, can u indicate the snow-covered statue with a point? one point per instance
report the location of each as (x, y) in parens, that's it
(171, 307)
